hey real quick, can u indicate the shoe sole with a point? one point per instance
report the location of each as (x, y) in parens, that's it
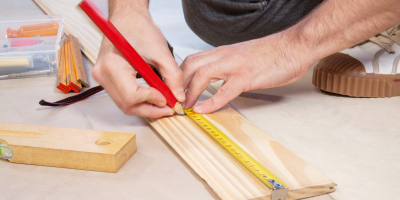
(345, 75)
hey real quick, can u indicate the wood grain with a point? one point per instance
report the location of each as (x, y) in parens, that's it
(69, 148)
(225, 175)
(228, 178)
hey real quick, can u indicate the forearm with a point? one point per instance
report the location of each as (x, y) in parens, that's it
(123, 9)
(339, 24)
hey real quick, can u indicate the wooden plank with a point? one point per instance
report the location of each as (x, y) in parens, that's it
(228, 178)
(225, 175)
(69, 148)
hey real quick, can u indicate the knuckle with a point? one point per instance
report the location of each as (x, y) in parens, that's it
(188, 64)
(96, 73)
(184, 66)
(190, 57)
(205, 71)
(124, 109)
(127, 101)
(245, 71)
(223, 92)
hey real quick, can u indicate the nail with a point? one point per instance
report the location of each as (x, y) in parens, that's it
(183, 105)
(172, 112)
(181, 95)
(197, 108)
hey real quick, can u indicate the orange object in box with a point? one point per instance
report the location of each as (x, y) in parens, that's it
(47, 29)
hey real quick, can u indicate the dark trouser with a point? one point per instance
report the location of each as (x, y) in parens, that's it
(221, 22)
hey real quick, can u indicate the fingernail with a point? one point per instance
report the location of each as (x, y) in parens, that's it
(197, 108)
(183, 104)
(181, 95)
(172, 112)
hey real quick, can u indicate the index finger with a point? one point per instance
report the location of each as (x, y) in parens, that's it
(224, 95)
(171, 73)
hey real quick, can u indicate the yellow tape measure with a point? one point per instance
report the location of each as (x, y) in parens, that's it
(246, 159)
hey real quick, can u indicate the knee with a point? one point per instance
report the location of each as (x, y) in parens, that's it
(222, 22)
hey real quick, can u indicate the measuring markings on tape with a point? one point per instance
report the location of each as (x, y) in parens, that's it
(278, 187)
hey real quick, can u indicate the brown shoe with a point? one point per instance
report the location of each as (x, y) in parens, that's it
(370, 69)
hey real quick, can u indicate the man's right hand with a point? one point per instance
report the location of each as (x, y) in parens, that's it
(118, 77)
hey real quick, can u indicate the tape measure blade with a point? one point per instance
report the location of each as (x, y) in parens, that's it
(236, 151)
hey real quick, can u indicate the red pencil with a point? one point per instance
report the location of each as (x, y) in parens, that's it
(129, 53)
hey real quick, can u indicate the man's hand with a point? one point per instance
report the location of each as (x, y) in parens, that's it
(284, 57)
(118, 77)
(260, 63)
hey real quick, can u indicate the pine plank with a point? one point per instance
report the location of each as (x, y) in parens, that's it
(225, 175)
(228, 178)
(68, 148)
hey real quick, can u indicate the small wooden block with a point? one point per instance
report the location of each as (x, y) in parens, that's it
(66, 147)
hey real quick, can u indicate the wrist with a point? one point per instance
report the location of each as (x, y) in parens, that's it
(315, 45)
(121, 8)
(297, 49)
(130, 17)
(133, 23)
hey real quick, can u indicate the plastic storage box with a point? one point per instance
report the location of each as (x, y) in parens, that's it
(28, 46)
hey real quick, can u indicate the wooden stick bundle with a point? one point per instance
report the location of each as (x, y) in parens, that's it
(71, 74)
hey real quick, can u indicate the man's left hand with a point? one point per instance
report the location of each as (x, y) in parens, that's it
(267, 62)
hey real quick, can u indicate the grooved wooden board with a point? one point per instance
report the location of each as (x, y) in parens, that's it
(69, 148)
(228, 178)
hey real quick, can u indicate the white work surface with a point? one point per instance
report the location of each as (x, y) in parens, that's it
(354, 141)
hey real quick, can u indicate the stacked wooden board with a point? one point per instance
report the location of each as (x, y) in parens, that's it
(228, 178)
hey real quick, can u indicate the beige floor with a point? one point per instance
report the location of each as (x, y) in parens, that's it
(354, 141)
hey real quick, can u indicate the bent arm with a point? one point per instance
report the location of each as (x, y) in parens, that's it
(284, 57)
(339, 24)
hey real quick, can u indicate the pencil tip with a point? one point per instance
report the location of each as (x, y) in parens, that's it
(178, 109)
